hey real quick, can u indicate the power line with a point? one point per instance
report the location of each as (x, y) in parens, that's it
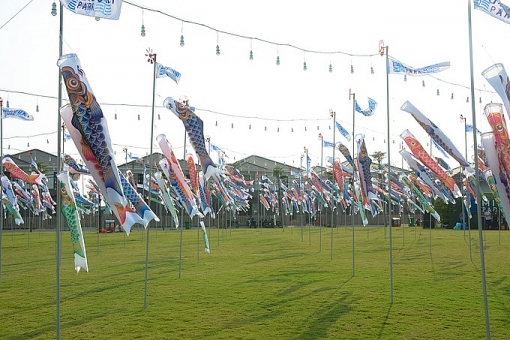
(15, 15)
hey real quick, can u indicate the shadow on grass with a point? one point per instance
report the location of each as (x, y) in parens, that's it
(325, 317)
(46, 330)
(278, 257)
(385, 322)
(295, 287)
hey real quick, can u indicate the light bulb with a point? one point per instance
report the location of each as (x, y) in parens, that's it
(54, 9)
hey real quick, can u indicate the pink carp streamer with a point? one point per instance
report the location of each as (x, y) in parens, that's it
(193, 175)
(172, 170)
(436, 134)
(16, 172)
(418, 150)
(497, 152)
(494, 114)
(420, 170)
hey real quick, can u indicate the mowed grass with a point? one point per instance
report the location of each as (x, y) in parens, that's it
(257, 284)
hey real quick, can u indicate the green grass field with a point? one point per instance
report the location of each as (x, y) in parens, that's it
(257, 284)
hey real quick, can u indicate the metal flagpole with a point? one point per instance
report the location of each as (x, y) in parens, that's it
(198, 240)
(464, 217)
(321, 138)
(58, 219)
(383, 50)
(208, 140)
(477, 176)
(333, 115)
(430, 215)
(306, 160)
(1, 172)
(352, 96)
(152, 60)
(300, 177)
(182, 216)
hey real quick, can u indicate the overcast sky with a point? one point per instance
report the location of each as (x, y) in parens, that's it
(252, 106)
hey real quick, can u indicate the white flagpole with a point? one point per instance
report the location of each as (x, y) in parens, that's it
(332, 114)
(465, 217)
(58, 219)
(1, 172)
(383, 50)
(182, 216)
(477, 176)
(152, 59)
(352, 96)
(321, 138)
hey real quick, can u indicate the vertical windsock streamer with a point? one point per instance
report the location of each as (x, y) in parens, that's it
(206, 239)
(195, 129)
(88, 128)
(501, 182)
(73, 220)
(496, 76)
(167, 199)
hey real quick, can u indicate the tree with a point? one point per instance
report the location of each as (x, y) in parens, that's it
(278, 174)
(41, 166)
(378, 156)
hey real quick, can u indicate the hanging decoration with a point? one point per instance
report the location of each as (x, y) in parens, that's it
(181, 42)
